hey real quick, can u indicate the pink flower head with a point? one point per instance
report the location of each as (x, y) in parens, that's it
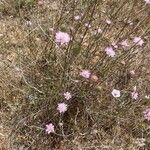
(110, 52)
(62, 38)
(40, 2)
(61, 124)
(147, 1)
(67, 95)
(146, 113)
(50, 128)
(138, 41)
(77, 17)
(85, 73)
(62, 107)
(99, 30)
(124, 44)
(108, 21)
(134, 95)
(116, 93)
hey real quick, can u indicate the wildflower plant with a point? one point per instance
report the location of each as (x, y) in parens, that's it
(76, 74)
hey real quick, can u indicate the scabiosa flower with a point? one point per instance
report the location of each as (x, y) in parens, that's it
(40, 2)
(134, 95)
(67, 95)
(124, 44)
(62, 107)
(77, 17)
(108, 21)
(138, 41)
(50, 128)
(99, 30)
(85, 73)
(110, 52)
(146, 113)
(116, 93)
(61, 124)
(147, 1)
(62, 38)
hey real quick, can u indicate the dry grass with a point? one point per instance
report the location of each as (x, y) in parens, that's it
(34, 73)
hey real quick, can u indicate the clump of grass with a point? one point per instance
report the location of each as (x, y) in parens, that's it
(91, 64)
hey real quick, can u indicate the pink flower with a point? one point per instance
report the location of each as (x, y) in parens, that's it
(62, 107)
(134, 95)
(146, 113)
(108, 21)
(147, 1)
(62, 38)
(116, 93)
(138, 41)
(124, 44)
(67, 95)
(110, 52)
(50, 128)
(99, 30)
(85, 73)
(77, 17)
